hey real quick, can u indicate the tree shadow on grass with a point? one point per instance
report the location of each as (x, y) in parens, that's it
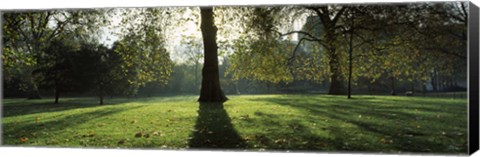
(12, 132)
(214, 130)
(19, 107)
(396, 127)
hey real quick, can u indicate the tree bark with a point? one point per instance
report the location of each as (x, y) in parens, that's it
(210, 90)
(350, 51)
(100, 94)
(434, 82)
(336, 85)
(393, 86)
(329, 23)
(350, 70)
(57, 88)
(101, 99)
(57, 95)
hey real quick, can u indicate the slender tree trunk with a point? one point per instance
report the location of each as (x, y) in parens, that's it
(434, 81)
(57, 88)
(350, 70)
(57, 95)
(350, 45)
(424, 88)
(100, 94)
(393, 86)
(210, 90)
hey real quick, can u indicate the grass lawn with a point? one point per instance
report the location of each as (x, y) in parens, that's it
(252, 122)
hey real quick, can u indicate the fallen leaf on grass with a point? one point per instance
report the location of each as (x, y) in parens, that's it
(244, 117)
(122, 141)
(91, 134)
(280, 141)
(385, 141)
(139, 134)
(23, 139)
(156, 133)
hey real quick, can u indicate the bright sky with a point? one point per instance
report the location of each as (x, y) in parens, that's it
(174, 45)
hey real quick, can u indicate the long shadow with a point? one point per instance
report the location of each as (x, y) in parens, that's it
(213, 129)
(393, 125)
(12, 131)
(19, 107)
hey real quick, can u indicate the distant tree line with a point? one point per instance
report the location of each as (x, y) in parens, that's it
(376, 49)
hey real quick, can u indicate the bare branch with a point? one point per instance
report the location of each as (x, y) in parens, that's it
(339, 13)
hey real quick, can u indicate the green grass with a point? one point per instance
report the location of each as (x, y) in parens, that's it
(252, 122)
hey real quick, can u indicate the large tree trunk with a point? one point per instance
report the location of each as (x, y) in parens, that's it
(336, 85)
(329, 23)
(210, 90)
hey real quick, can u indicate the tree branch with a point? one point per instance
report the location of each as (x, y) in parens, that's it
(339, 13)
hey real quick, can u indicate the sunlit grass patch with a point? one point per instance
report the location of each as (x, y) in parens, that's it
(254, 122)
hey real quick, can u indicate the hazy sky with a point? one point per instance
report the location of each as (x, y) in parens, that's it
(174, 45)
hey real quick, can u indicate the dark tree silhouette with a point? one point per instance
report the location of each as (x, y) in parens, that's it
(210, 90)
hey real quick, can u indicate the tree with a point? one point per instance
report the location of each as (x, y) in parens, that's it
(56, 69)
(29, 33)
(141, 48)
(97, 69)
(210, 90)
(193, 55)
(329, 17)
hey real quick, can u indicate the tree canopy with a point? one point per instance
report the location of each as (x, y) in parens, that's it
(334, 48)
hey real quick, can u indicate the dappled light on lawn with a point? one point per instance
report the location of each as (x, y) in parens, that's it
(263, 122)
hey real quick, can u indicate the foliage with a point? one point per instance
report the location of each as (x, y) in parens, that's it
(28, 33)
(142, 48)
(56, 67)
(262, 60)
